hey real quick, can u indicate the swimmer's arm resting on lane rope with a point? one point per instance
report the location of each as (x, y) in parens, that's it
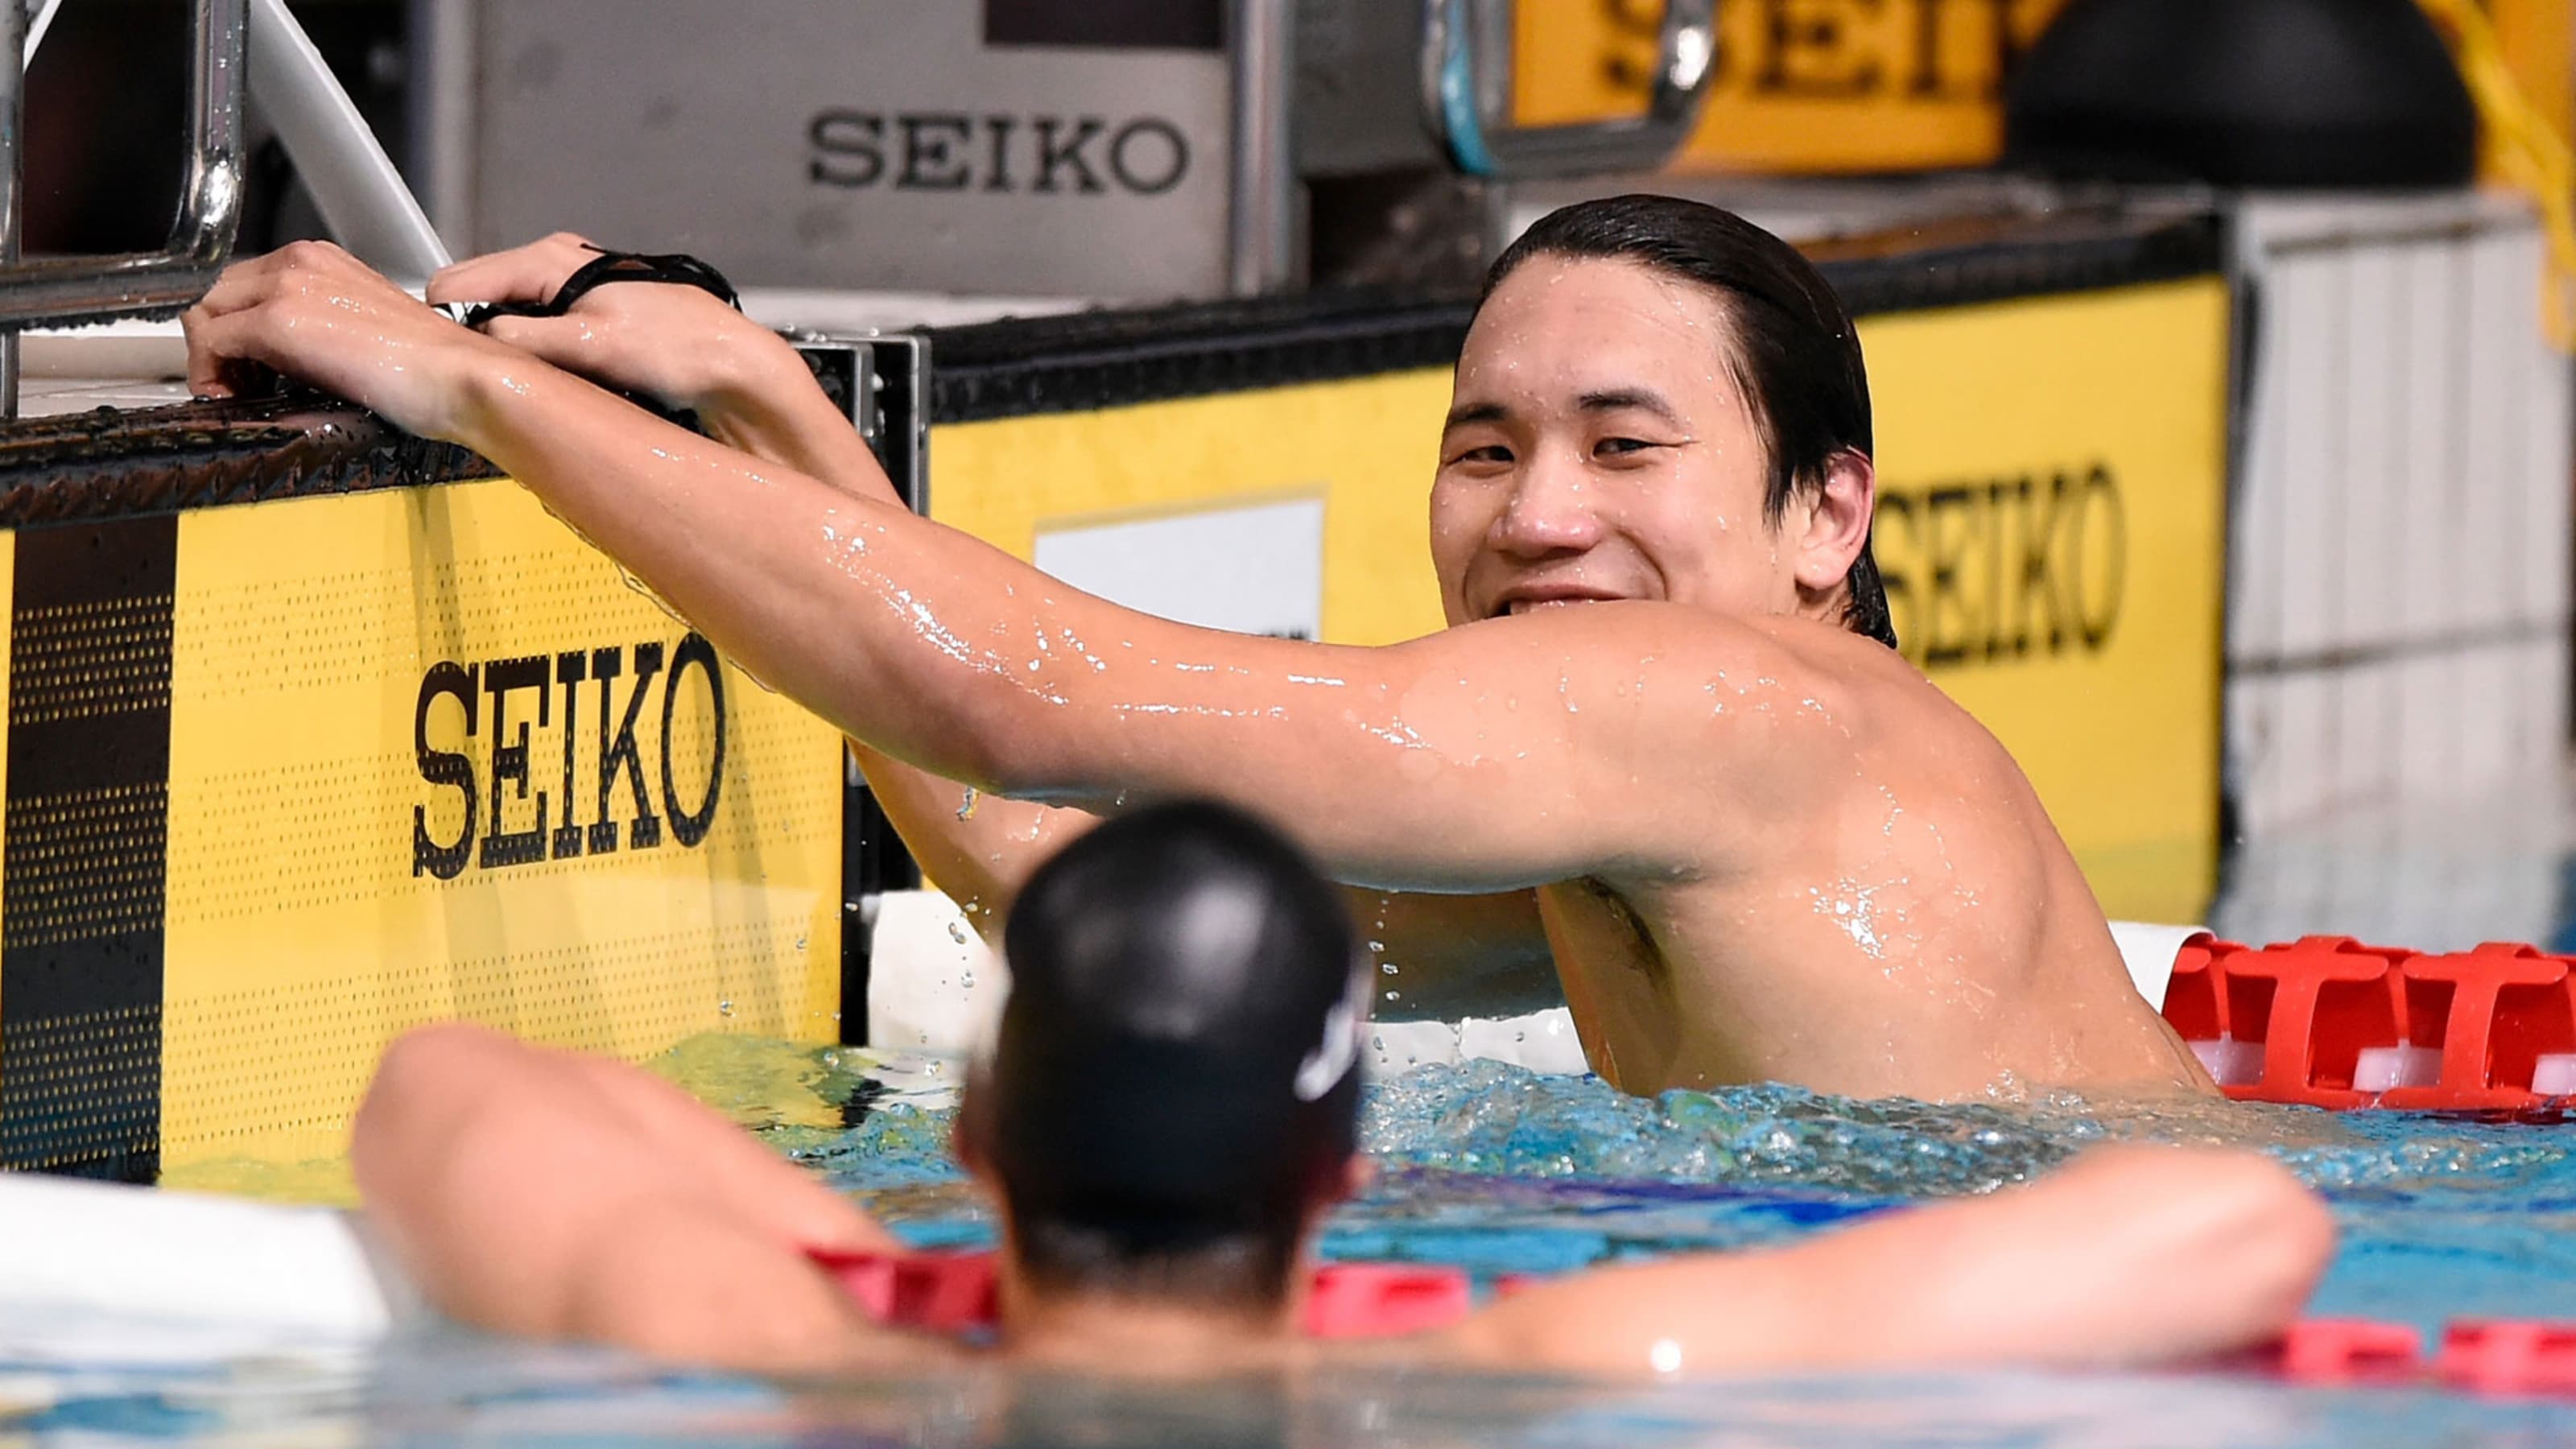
(1455, 955)
(2128, 1255)
(1485, 758)
(559, 1196)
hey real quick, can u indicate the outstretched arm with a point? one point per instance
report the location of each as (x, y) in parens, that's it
(1489, 757)
(2128, 1256)
(553, 1195)
(1452, 954)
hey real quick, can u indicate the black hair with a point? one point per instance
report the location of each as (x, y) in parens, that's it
(1796, 354)
(1175, 1082)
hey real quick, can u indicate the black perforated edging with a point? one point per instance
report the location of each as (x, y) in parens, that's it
(1120, 358)
(109, 463)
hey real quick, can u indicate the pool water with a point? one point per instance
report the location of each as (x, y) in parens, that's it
(1486, 1166)
(1500, 1171)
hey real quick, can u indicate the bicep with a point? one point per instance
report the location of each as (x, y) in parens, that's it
(1486, 758)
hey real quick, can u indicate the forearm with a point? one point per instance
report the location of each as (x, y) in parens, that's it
(948, 655)
(495, 1169)
(2130, 1256)
(768, 405)
(976, 847)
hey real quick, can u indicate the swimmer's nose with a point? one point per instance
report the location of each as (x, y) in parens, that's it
(1552, 511)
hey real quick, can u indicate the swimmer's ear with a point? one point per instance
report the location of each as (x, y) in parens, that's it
(1835, 517)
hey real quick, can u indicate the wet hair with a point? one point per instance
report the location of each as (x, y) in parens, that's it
(1796, 354)
(1175, 1081)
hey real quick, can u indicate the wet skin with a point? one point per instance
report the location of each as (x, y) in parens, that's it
(1755, 845)
(554, 1195)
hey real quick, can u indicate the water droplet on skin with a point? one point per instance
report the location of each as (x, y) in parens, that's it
(966, 806)
(966, 979)
(1388, 967)
(957, 933)
(1395, 996)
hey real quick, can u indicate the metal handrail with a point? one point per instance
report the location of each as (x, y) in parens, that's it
(95, 289)
(1467, 98)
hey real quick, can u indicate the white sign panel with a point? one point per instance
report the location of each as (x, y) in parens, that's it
(1257, 569)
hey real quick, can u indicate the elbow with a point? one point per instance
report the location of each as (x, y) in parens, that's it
(2254, 1239)
(424, 1085)
(2283, 1240)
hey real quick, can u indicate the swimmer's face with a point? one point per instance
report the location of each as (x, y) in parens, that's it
(1600, 446)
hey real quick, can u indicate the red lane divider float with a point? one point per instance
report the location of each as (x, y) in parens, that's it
(2329, 1022)
(953, 1293)
(2476, 1355)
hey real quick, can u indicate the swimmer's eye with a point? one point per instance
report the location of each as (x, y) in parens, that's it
(1494, 453)
(1623, 447)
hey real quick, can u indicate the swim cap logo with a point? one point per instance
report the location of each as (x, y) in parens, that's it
(1333, 1057)
(493, 694)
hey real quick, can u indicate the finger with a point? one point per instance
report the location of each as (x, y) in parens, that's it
(223, 350)
(571, 343)
(528, 273)
(243, 284)
(205, 367)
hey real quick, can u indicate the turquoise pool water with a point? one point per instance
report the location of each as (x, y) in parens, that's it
(1495, 1169)
(1499, 1170)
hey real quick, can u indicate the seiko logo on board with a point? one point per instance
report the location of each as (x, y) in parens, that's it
(1858, 50)
(1981, 573)
(955, 151)
(622, 795)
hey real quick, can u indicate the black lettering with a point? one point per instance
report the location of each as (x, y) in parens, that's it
(571, 668)
(1053, 157)
(854, 135)
(931, 141)
(1947, 645)
(1993, 552)
(999, 128)
(692, 827)
(605, 666)
(510, 761)
(1174, 161)
(2008, 50)
(443, 767)
(2039, 513)
(2100, 488)
(1892, 574)
(1806, 42)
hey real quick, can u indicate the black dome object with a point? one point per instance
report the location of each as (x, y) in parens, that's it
(2271, 93)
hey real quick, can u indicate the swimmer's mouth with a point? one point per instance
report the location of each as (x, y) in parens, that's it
(1523, 601)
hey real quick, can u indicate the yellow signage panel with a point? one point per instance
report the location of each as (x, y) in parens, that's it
(1800, 85)
(430, 757)
(1872, 85)
(1365, 447)
(2051, 529)
(2051, 525)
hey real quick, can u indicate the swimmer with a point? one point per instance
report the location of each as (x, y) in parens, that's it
(1168, 1109)
(1665, 743)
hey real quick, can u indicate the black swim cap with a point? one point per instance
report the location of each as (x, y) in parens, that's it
(1178, 1060)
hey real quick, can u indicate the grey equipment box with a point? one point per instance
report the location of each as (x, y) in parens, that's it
(1021, 147)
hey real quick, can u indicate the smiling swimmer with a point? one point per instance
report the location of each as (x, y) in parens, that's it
(1168, 1111)
(1664, 741)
